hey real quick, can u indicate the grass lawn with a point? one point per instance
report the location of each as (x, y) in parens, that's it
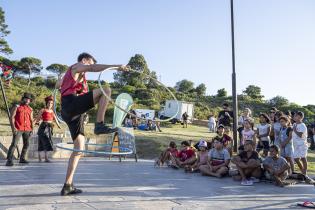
(151, 144)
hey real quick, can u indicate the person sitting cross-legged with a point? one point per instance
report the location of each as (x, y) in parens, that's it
(218, 161)
(202, 158)
(186, 156)
(248, 164)
(276, 167)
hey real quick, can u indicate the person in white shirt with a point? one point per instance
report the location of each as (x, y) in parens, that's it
(212, 123)
(263, 134)
(299, 137)
(246, 115)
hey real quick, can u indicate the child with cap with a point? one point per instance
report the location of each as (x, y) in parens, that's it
(202, 157)
(223, 137)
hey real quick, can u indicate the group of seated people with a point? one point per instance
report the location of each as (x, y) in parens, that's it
(147, 125)
(214, 158)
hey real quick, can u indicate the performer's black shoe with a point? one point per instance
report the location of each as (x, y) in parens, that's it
(24, 161)
(101, 128)
(69, 189)
(9, 163)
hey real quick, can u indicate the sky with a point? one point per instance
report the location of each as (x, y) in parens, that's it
(180, 39)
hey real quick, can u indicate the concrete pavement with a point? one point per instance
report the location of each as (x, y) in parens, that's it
(129, 185)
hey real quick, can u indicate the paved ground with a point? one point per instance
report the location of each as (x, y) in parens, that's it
(129, 185)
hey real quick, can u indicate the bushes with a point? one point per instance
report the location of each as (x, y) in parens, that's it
(128, 89)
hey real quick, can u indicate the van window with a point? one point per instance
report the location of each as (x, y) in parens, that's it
(169, 105)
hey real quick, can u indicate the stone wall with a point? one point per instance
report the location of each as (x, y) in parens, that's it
(32, 153)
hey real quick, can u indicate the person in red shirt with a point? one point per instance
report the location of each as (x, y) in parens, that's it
(165, 156)
(186, 156)
(22, 121)
(76, 100)
(45, 130)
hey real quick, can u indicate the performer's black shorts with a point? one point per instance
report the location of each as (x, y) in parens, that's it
(73, 109)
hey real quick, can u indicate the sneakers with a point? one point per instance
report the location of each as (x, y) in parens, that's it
(24, 161)
(254, 180)
(9, 163)
(247, 182)
(101, 128)
(309, 180)
(69, 189)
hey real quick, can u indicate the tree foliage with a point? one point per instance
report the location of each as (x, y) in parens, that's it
(137, 79)
(4, 46)
(57, 68)
(201, 89)
(184, 86)
(278, 101)
(253, 91)
(221, 93)
(28, 65)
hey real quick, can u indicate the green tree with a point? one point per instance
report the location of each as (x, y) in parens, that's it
(4, 46)
(5, 61)
(29, 65)
(278, 101)
(137, 79)
(253, 91)
(184, 86)
(222, 93)
(57, 68)
(201, 89)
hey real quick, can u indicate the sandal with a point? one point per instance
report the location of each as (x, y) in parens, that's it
(307, 204)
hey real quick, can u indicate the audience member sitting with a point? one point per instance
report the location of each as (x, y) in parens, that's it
(223, 136)
(248, 164)
(218, 161)
(276, 167)
(165, 156)
(186, 156)
(202, 158)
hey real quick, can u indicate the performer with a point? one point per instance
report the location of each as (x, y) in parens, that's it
(75, 101)
(45, 130)
(22, 121)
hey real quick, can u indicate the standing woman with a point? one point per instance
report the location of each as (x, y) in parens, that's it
(45, 130)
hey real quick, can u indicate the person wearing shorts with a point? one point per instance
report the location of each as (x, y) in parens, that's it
(263, 134)
(299, 139)
(76, 100)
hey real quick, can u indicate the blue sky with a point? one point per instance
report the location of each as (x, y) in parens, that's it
(180, 39)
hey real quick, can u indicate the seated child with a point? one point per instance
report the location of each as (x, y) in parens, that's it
(248, 164)
(202, 158)
(218, 161)
(222, 136)
(165, 156)
(186, 156)
(276, 167)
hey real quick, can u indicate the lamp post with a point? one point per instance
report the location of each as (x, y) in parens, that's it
(235, 107)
